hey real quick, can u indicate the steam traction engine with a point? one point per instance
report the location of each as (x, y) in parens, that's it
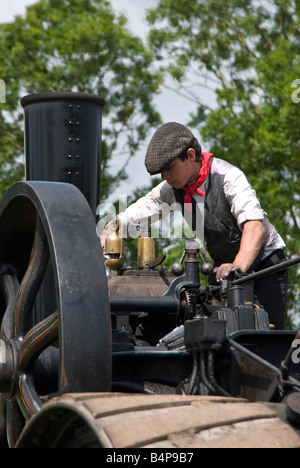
(139, 358)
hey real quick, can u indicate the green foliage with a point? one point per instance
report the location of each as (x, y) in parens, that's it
(77, 46)
(248, 53)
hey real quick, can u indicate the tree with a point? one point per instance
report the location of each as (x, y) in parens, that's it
(246, 54)
(75, 45)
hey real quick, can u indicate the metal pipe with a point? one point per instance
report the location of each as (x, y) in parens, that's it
(260, 274)
(194, 375)
(267, 271)
(211, 375)
(203, 373)
(145, 304)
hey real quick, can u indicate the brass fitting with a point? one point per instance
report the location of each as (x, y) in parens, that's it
(114, 249)
(145, 251)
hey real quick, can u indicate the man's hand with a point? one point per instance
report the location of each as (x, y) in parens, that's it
(225, 269)
(112, 226)
(251, 242)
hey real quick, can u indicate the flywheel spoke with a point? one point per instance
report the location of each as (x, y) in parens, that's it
(37, 339)
(10, 286)
(31, 281)
(28, 398)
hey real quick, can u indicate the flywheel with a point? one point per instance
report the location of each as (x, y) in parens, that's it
(53, 328)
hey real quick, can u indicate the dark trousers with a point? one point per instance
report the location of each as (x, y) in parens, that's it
(271, 290)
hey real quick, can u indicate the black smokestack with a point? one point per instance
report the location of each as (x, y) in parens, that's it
(63, 140)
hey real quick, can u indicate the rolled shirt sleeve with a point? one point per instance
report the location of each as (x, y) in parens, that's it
(146, 210)
(241, 197)
(245, 206)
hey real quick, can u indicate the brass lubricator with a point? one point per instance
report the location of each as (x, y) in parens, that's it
(114, 247)
(145, 251)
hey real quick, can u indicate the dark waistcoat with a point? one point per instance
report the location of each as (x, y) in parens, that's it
(221, 232)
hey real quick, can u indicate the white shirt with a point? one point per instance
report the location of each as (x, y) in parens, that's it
(241, 197)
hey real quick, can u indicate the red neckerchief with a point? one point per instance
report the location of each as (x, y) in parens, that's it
(190, 189)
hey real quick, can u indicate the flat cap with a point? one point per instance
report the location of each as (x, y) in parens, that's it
(167, 143)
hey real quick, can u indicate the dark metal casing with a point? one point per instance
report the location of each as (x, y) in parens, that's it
(63, 140)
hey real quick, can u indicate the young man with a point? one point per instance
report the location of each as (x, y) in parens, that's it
(222, 205)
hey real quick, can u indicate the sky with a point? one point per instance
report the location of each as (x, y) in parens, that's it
(171, 106)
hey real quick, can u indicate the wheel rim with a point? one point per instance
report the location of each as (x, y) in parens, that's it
(52, 222)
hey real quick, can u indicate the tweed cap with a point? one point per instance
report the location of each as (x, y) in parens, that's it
(167, 143)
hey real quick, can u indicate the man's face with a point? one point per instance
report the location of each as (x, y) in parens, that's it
(178, 173)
